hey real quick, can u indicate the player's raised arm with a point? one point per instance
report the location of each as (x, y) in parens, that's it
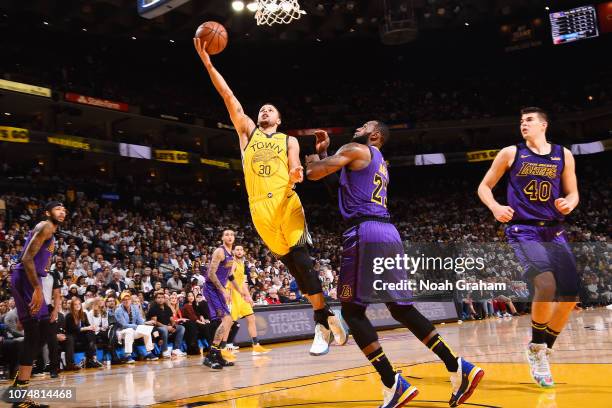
(345, 156)
(501, 164)
(42, 232)
(566, 204)
(243, 124)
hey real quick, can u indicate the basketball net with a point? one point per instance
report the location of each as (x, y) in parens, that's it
(277, 11)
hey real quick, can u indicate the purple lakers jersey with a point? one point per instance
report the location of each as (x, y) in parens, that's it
(224, 269)
(363, 193)
(41, 259)
(534, 183)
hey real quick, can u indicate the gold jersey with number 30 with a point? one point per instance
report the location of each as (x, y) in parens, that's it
(265, 164)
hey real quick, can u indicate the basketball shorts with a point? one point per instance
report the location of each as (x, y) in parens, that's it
(239, 308)
(280, 221)
(545, 249)
(360, 245)
(22, 292)
(217, 307)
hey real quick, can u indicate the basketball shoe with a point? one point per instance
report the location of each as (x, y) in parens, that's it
(398, 395)
(338, 330)
(537, 356)
(320, 344)
(258, 349)
(464, 382)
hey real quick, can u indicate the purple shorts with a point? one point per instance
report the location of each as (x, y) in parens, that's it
(545, 249)
(217, 307)
(360, 245)
(22, 292)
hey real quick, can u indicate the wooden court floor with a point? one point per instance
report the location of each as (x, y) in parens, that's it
(289, 377)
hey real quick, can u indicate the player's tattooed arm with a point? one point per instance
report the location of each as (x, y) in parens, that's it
(566, 205)
(42, 232)
(501, 164)
(217, 257)
(353, 155)
(242, 123)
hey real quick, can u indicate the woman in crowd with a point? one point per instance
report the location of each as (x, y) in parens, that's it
(78, 326)
(202, 325)
(191, 331)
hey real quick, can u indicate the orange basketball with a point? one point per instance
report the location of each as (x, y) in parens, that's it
(215, 36)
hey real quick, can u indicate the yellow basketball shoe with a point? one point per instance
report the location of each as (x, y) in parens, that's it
(258, 349)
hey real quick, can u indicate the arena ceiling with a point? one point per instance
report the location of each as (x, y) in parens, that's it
(325, 19)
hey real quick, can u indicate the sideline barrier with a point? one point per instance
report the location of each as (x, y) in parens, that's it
(295, 322)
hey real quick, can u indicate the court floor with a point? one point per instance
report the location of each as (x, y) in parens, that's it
(289, 377)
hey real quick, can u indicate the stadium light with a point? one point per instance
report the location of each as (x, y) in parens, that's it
(238, 5)
(252, 6)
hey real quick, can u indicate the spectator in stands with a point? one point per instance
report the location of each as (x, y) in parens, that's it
(83, 333)
(191, 311)
(175, 283)
(161, 316)
(191, 330)
(118, 285)
(128, 319)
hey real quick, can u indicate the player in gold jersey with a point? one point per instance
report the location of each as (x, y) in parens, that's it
(240, 308)
(271, 163)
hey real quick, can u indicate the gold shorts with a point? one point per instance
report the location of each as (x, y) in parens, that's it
(239, 308)
(280, 221)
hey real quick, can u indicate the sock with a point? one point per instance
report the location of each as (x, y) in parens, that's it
(222, 345)
(550, 336)
(444, 352)
(383, 366)
(214, 350)
(254, 340)
(538, 332)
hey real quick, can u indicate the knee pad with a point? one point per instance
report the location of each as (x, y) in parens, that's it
(288, 261)
(303, 270)
(360, 326)
(410, 317)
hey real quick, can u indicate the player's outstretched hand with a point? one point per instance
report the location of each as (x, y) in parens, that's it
(296, 175)
(503, 213)
(201, 50)
(322, 143)
(563, 206)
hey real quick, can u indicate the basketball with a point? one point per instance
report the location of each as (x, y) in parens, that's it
(215, 36)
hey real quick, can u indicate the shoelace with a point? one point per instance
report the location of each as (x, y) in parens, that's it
(542, 366)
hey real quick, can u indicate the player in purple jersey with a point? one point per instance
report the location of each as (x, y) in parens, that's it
(27, 290)
(362, 197)
(219, 273)
(540, 173)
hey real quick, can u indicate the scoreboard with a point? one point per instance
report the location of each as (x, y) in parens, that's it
(573, 25)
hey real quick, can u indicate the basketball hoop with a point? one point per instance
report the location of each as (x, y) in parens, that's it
(277, 11)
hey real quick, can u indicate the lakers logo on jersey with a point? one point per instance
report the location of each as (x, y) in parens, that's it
(51, 247)
(347, 292)
(538, 169)
(265, 162)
